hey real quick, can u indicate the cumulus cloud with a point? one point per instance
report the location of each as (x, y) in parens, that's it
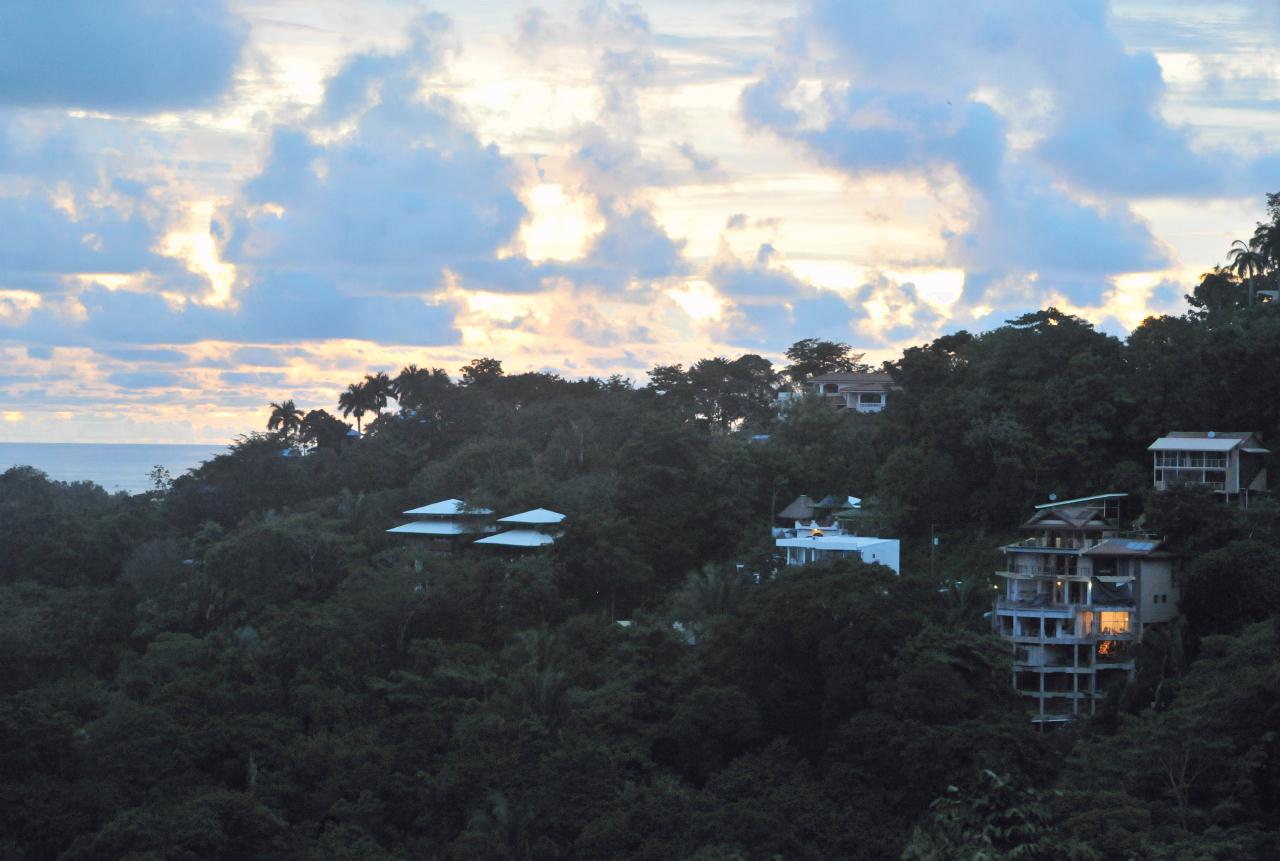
(772, 306)
(384, 188)
(131, 56)
(1038, 112)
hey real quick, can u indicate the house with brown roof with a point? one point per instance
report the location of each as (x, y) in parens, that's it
(1077, 594)
(863, 392)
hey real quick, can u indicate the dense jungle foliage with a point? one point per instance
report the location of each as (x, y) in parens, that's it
(242, 664)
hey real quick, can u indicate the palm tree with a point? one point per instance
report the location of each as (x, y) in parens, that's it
(354, 401)
(1248, 261)
(377, 387)
(286, 417)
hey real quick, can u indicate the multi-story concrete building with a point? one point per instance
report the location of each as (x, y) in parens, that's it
(1078, 592)
(1231, 463)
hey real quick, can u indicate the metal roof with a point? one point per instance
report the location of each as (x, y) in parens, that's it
(1183, 443)
(834, 542)
(430, 527)
(1082, 499)
(519, 538)
(447, 508)
(1122, 547)
(534, 517)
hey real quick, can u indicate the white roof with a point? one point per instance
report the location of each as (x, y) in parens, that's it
(430, 527)
(446, 508)
(1061, 502)
(535, 517)
(833, 542)
(519, 538)
(1193, 443)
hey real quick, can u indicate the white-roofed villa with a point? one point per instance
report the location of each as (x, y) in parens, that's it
(447, 525)
(532, 530)
(442, 526)
(828, 530)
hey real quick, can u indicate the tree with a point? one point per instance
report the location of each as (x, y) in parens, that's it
(480, 371)
(377, 388)
(286, 418)
(323, 429)
(993, 821)
(354, 401)
(1248, 262)
(413, 387)
(812, 357)
(1231, 586)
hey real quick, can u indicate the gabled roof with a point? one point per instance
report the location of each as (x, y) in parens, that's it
(519, 538)
(534, 517)
(832, 501)
(800, 509)
(447, 508)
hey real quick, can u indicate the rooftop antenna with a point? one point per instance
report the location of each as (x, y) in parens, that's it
(1212, 434)
(1053, 497)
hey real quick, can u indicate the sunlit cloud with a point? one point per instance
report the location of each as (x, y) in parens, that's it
(589, 188)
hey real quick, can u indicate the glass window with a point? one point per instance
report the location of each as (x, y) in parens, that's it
(1113, 622)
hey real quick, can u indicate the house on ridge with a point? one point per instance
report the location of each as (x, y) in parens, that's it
(443, 526)
(1230, 463)
(860, 391)
(531, 530)
(818, 531)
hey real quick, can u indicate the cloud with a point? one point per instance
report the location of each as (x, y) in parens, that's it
(130, 56)
(40, 240)
(772, 306)
(286, 309)
(147, 379)
(1038, 113)
(393, 200)
(630, 253)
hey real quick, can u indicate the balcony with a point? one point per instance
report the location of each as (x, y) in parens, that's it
(1039, 605)
(1020, 571)
(1064, 695)
(1057, 544)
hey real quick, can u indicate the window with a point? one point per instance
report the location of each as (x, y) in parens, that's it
(1113, 622)
(871, 397)
(830, 388)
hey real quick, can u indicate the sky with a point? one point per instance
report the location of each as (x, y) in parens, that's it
(208, 207)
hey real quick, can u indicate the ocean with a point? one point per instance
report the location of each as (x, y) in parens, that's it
(115, 466)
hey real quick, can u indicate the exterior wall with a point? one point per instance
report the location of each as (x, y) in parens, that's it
(1158, 601)
(884, 552)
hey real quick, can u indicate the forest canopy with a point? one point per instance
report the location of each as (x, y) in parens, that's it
(243, 664)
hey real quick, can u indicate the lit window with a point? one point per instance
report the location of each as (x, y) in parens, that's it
(1113, 622)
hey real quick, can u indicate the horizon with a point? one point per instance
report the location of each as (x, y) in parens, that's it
(206, 210)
